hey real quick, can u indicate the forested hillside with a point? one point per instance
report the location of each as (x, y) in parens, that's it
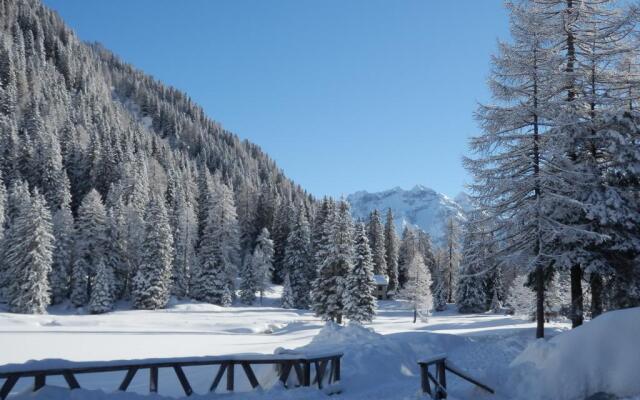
(94, 150)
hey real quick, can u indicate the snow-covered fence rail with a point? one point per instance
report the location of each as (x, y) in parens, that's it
(439, 378)
(301, 364)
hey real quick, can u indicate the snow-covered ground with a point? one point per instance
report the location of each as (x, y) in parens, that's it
(379, 361)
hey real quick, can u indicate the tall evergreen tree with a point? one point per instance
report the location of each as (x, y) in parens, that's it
(63, 232)
(90, 243)
(28, 252)
(359, 302)
(151, 285)
(102, 295)
(418, 288)
(329, 287)
(287, 300)
(262, 261)
(391, 251)
(376, 242)
(298, 262)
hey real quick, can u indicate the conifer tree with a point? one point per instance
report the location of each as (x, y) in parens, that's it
(321, 233)
(185, 239)
(406, 252)
(359, 302)
(28, 252)
(101, 296)
(281, 228)
(63, 231)
(287, 293)
(90, 243)
(376, 242)
(417, 290)
(329, 287)
(262, 261)
(391, 251)
(297, 261)
(151, 285)
(248, 281)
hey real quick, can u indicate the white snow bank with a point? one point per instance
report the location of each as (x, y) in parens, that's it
(601, 356)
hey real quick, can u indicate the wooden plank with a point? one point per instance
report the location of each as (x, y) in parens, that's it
(230, 371)
(299, 374)
(218, 377)
(456, 371)
(39, 381)
(436, 385)
(424, 379)
(321, 367)
(306, 373)
(249, 372)
(153, 380)
(71, 380)
(442, 379)
(336, 371)
(285, 370)
(8, 384)
(184, 382)
(131, 372)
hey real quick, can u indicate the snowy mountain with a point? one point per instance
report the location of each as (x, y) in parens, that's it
(420, 207)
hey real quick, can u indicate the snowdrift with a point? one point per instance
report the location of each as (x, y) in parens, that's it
(601, 356)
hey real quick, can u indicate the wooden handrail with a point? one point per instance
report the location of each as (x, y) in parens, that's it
(439, 380)
(301, 363)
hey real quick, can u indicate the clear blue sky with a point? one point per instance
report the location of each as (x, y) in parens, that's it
(344, 95)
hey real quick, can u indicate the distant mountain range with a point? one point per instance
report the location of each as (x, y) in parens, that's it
(420, 207)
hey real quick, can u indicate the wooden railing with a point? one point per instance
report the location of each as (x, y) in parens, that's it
(284, 363)
(439, 378)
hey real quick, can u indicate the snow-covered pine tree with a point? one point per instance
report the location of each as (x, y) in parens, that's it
(298, 262)
(63, 232)
(439, 285)
(521, 299)
(281, 226)
(28, 253)
(151, 284)
(418, 288)
(227, 233)
(211, 282)
(328, 288)
(90, 244)
(321, 233)
(262, 261)
(375, 231)
(359, 302)
(248, 280)
(452, 257)
(116, 253)
(476, 265)
(185, 240)
(287, 293)
(406, 252)
(514, 139)
(102, 294)
(391, 251)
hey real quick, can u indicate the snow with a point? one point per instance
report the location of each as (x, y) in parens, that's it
(419, 207)
(601, 356)
(380, 359)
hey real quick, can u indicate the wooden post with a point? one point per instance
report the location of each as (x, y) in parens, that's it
(285, 370)
(230, 370)
(218, 377)
(442, 378)
(306, 373)
(153, 380)
(184, 382)
(336, 371)
(250, 375)
(131, 372)
(424, 379)
(39, 382)
(8, 385)
(71, 380)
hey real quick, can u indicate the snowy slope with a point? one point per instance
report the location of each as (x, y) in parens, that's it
(420, 207)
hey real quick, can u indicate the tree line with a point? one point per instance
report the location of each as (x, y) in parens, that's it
(556, 168)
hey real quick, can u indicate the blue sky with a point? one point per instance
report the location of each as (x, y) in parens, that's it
(344, 95)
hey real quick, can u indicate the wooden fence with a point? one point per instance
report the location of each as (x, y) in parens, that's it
(284, 363)
(439, 378)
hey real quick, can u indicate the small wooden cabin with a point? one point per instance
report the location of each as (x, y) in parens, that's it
(381, 283)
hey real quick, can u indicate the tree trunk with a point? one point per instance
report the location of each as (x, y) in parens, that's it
(539, 302)
(596, 294)
(577, 312)
(339, 319)
(415, 315)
